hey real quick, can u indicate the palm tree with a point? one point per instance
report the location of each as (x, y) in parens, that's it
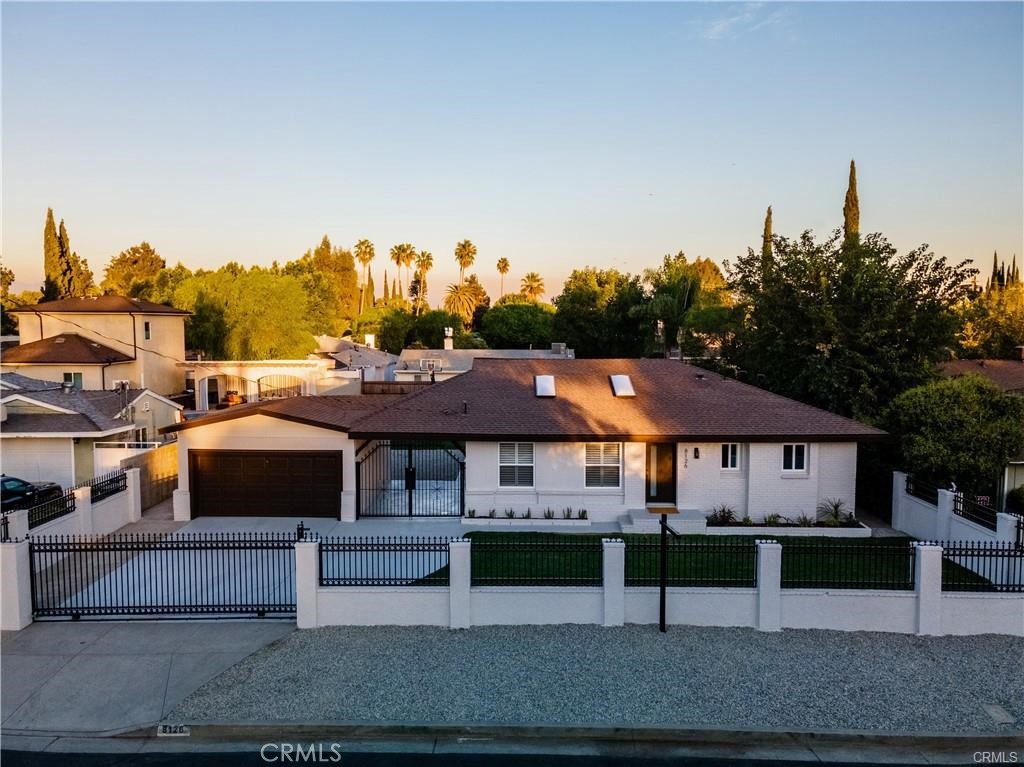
(364, 254)
(424, 263)
(502, 270)
(461, 300)
(408, 257)
(402, 255)
(465, 255)
(532, 286)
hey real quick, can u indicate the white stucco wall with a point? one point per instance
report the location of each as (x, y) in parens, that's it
(260, 432)
(38, 459)
(559, 477)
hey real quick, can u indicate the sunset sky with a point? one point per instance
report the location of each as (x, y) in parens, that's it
(556, 135)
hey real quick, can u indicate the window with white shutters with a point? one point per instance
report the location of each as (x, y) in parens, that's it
(515, 464)
(604, 464)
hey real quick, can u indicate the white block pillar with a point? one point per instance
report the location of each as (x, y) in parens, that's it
(17, 524)
(307, 581)
(613, 569)
(1006, 527)
(182, 505)
(928, 588)
(899, 492)
(83, 508)
(16, 585)
(944, 514)
(134, 483)
(459, 580)
(769, 586)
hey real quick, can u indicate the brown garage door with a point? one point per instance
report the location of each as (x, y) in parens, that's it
(265, 483)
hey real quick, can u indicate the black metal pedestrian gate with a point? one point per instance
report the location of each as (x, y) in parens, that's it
(411, 479)
(210, 575)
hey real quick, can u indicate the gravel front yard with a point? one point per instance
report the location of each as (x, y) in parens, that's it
(691, 677)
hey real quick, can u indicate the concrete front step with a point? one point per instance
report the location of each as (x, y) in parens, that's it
(685, 522)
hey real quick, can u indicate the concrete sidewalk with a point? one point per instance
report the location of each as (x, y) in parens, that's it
(107, 677)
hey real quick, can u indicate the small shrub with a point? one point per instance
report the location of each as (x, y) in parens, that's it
(470, 513)
(832, 512)
(527, 514)
(804, 520)
(1015, 500)
(510, 513)
(549, 513)
(491, 514)
(567, 513)
(746, 521)
(722, 515)
(773, 520)
(582, 514)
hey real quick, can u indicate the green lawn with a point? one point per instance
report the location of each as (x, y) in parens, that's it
(541, 559)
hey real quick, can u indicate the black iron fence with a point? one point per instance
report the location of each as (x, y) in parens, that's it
(569, 561)
(51, 510)
(922, 490)
(975, 512)
(384, 562)
(227, 575)
(982, 566)
(833, 565)
(411, 479)
(106, 485)
(692, 563)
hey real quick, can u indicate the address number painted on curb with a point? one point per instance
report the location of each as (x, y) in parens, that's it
(173, 730)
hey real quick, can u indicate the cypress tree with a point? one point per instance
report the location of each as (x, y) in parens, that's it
(851, 210)
(394, 288)
(369, 299)
(51, 259)
(993, 281)
(387, 296)
(766, 238)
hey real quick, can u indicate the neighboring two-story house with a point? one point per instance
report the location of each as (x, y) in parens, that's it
(93, 343)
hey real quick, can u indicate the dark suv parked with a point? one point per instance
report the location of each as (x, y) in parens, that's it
(18, 494)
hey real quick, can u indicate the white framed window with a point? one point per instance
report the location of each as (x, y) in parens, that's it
(730, 456)
(794, 457)
(604, 464)
(147, 332)
(515, 464)
(73, 378)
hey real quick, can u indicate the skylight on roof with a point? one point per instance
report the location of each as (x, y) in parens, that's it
(622, 386)
(544, 386)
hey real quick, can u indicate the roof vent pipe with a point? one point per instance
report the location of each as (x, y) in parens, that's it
(465, 407)
(67, 387)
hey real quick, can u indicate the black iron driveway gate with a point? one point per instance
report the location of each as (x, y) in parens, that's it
(208, 575)
(411, 479)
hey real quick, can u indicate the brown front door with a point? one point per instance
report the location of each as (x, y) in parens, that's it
(264, 483)
(661, 473)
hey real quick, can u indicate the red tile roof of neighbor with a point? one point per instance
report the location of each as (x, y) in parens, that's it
(335, 412)
(70, 348)
(1008, 375)
(496, 400)
(99, 305)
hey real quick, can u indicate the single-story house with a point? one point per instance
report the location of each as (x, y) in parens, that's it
(52, 431)
(1008, 375)
(608, 436)
(419, 364)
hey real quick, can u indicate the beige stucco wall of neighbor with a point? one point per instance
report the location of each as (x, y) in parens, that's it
(559, 482)
(152, 413)
(260, 432)
(759, 486)
(156, 358)
(93, 376)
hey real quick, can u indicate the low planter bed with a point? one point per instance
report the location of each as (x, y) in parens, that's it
(519, 521)
(860, 531)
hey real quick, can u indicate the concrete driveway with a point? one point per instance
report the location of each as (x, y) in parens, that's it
(108, 677)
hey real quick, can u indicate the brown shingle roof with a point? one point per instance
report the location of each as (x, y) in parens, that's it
(327, 412)
(1008, 375)
(64, 348)
(99, 305)
(673, 401)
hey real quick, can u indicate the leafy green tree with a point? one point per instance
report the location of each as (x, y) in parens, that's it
(133, 272)
(599, 313)
(532, 286)
(395, 328)
(963, 430)
(518, 326)
(65, 274)
(329, 278)
(992, 323)
(481, 301)
(843, 326)
(51, 259)
(7, 324)
(167, 281)
(428, 329)
(465, 255)
(503, 267)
